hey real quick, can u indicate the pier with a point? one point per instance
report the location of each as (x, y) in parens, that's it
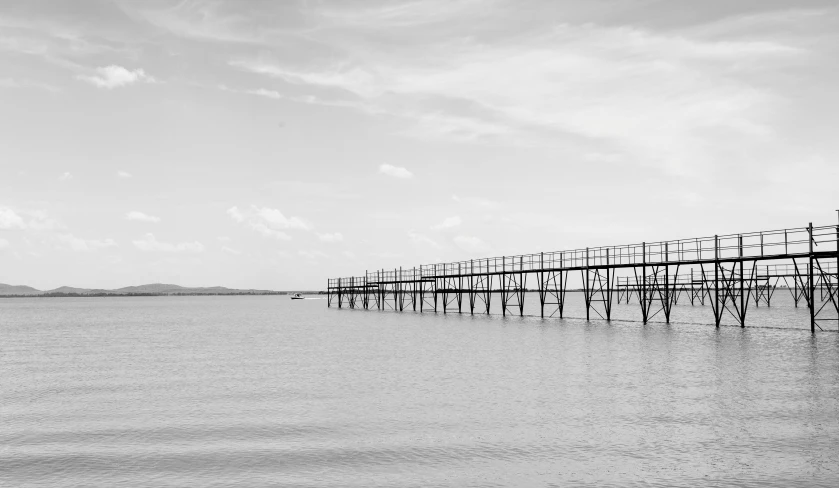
(725, 272)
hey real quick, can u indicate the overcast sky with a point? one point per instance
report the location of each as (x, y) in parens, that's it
(273, 144)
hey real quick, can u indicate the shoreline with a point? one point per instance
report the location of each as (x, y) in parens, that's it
(118, 295)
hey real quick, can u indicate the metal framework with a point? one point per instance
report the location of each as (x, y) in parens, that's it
(728, 272)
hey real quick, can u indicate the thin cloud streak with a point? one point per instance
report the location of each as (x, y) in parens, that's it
(448, 223)
(423, 240)
(114, 76)
(333, 237)
(36, 220)
(74, 243)
(269, 222)
(232, 251)
(141, 217)
(16, 83)
(395, 171)
(653, 94)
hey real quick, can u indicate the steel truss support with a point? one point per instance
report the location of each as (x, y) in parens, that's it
(399, 290)
(795, 290)
(353, 293)
(340, 293)
(765, 289)
(480, 293)
(624, 289)
(365, 297)
(597, 287)
(427, 292)
(388, 296)
(656, 288)
(412, 289)
(451, 291)
(824, 278)
(810, 266)
(436, 288)
(828, 284)
(404, 290)
(737, 284)
(713, 293)
(513, 287)
(696, 293)
(380, 291)
(552, 287)
(803, 280)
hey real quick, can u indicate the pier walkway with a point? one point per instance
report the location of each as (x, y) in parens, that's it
(726, 272)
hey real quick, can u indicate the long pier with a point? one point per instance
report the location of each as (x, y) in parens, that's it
(728, 272)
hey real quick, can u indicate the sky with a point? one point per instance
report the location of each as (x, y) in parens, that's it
(275, 144)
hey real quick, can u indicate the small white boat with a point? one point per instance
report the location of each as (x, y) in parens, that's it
(297, 296)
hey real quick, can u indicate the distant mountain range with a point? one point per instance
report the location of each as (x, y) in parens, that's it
(152, 289)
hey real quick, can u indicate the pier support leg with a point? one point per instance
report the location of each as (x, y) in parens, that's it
(812, 284)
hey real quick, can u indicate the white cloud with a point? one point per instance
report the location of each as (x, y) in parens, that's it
(659, 96)
(231, 251)
(83, 245)
(334, 237)
(448, 223)
(141, 217)
(269, 222)
(38, 220)
(266, 231)
(4, 244)
(66, 176)
(395, 171)
(124, 174)
(262, 92)
(10, 220)
(417, 238)
(472, 244)
(150, 243)
(276, 219)
(272, 94)
(34, 220)
(235, 214)
(114, 76)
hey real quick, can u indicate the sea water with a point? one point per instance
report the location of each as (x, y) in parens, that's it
(266, 391)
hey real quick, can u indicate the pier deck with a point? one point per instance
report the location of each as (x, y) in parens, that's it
(727, 272)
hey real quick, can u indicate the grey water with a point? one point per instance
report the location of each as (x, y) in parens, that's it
(265, 391)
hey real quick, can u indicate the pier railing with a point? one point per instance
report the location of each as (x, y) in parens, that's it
(754, 245)
(725, 270)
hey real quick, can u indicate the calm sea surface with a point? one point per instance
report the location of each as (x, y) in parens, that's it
(265, 391)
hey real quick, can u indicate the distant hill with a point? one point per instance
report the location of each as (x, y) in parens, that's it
(18, 290)
(68, 289)
(168, 289)
(150, 289)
